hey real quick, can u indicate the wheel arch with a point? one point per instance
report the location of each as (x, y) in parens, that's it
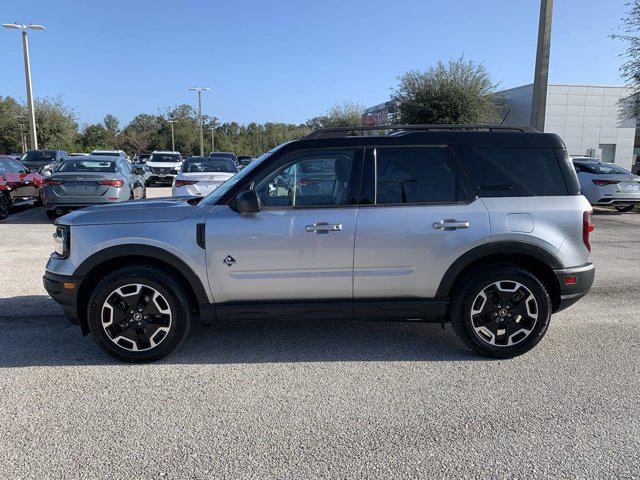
(534, 258)
(110, 259)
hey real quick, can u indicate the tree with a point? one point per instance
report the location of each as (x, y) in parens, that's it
(630, 69)
(56, 124)
(348, 114)
(10, 127)
(453, 93)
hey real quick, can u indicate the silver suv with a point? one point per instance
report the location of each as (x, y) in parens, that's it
(483, 227)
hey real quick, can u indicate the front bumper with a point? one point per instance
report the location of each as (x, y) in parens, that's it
(64, 290)
(154, 178)
(574, 283)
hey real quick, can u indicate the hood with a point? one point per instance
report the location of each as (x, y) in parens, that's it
(135, 211)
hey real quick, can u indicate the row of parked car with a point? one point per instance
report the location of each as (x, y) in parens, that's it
(61, 182)
(64, 182)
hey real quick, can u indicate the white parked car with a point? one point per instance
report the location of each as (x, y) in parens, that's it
(200, 176)
(608, 184)
(162, 167)
(110, 153)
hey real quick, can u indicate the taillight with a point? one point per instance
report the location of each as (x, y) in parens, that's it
(587, 228)
(602, 183)
(183, 183)
(112, 183)
(47, 182)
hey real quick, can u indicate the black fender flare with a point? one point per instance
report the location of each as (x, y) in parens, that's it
(502, 248)
(141, 250)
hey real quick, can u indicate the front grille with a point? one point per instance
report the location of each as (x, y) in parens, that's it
(162, 170)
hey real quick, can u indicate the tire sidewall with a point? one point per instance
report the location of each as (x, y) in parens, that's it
(172, 291)
(5, 200)
(461, 311)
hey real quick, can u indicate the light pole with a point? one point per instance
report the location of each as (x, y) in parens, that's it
(541, 75)
(213, 148)
(173, 138)
(27, 73)
(200, 90)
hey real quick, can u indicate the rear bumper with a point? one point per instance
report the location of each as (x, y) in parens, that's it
(574, 283)
(64, 290)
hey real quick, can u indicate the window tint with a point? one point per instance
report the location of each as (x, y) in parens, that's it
(311, 179)
(87, 166)
(417, 175)
(513, 172)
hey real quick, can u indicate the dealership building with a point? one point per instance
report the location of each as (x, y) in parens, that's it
(587, 117)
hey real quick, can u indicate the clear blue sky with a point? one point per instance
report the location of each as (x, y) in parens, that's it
(286, 60)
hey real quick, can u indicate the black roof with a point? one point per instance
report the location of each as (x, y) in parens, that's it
(481, 136)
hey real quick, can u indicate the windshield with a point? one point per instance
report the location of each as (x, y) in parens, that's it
(165, 157)
(604, 168)
(212, 164)
(87, 166)
(39, 156)
(219, 192)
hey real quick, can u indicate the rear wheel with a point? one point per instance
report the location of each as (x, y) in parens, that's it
(624, 208)
(5, 204)
(51, 214)
(502, 311)
(139, 314)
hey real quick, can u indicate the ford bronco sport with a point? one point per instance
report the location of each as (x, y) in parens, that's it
(480, 226)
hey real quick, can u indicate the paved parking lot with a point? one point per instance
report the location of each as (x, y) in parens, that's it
(321, 399)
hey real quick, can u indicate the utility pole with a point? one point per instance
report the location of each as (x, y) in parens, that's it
(213, 147)
(200, 90)
(541, 76)
(173, 138)
(27, 73)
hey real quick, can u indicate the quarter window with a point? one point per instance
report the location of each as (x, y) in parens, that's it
(312, 179)
(417, 175)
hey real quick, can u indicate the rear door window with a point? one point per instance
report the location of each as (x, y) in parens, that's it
(417, 175)
(513, 172)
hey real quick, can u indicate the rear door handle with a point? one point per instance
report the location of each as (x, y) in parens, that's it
(451, 224)
(323, 227)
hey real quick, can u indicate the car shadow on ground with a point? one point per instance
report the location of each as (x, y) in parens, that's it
(26, 215)
(48, 338)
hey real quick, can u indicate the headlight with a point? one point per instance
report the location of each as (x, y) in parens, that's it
(63, 240)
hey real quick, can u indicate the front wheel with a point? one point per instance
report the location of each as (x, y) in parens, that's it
(5, 204)
(624, 208)
(501, 312)
(139, 314)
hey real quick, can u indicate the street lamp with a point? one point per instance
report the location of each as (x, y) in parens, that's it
(200, 90)
(173, 138)
(27, 73)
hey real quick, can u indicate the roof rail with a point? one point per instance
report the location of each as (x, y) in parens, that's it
(339, 132)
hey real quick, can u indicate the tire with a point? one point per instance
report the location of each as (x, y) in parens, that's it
(132, 337)
(507, 329)
(624, 208)
(51, 214)
(147, 183)
(38, 202)
(5, 204)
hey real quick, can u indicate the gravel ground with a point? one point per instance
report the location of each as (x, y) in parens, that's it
(321, 399)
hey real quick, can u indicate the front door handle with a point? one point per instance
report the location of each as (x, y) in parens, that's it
(451, 224)
(323, 227)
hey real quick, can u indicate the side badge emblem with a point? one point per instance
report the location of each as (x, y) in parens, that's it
(229, 260)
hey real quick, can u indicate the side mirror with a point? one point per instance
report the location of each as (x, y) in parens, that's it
(247, 201)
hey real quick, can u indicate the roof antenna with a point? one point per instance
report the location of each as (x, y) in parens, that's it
(505, 117)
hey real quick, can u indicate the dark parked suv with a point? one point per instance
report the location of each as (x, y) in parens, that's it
(480, 226)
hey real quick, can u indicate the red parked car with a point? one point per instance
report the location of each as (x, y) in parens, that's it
(17, 185)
